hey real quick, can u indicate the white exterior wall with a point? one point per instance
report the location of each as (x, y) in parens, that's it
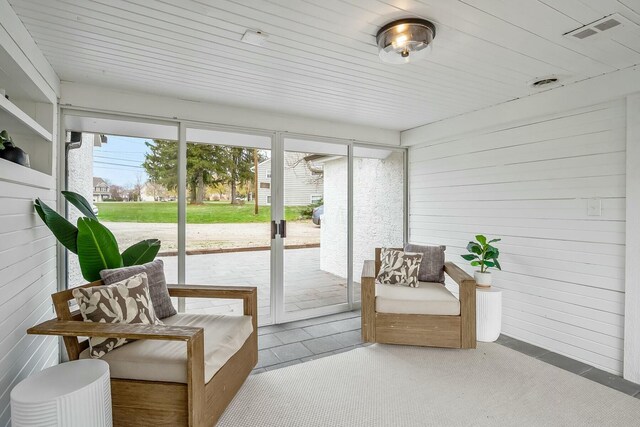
(299, 184)
(333, 229)
(80, 180)
(529, 183)
(378, 207)
(377, 214)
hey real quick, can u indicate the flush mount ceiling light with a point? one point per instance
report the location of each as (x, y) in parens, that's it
(405, 40)
(254, 37)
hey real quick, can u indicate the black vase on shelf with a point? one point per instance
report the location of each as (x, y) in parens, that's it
(10, 152)
(15, 155)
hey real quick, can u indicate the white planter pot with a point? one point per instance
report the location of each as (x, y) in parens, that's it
(482, 279)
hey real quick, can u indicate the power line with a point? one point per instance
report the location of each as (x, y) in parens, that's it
(119, 158)
(117, 164)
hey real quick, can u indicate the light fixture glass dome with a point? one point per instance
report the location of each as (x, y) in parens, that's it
(405, 40)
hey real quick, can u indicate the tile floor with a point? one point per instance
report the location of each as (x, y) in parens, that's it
(306, 285)
(298, 342)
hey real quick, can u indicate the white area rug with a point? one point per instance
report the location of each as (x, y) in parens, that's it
(385, 385)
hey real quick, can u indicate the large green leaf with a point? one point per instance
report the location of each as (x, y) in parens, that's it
(475, 248)
(497, 264)
(494, 240)
(141, 252)
(469, 257)
(480, 238)
(492, 252)
(79, 202)
(65, 232)
(97, 249)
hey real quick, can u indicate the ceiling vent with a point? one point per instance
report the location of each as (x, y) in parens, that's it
(599, 27)
(547, 81)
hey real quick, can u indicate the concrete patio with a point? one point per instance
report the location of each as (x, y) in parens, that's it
(306, 285)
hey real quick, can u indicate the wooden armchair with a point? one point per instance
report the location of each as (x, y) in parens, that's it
(157, 403)
(432, 330)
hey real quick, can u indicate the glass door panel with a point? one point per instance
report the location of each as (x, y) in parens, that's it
(108, 162)
(316, 211)
(378, 204)
(228, 230)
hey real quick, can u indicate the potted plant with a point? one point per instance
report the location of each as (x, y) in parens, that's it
(484, 255)
(9, 151)
(94, 244)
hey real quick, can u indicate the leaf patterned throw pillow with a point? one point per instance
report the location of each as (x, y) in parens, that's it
(127, 301)
(399, 268)
(411, 265)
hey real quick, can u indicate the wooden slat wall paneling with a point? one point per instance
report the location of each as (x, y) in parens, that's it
(28, 264)
(529, 183)
(632, 274)
(28, 276)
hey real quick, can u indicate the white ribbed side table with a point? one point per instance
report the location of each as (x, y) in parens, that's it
(488, 314)
(72, 394)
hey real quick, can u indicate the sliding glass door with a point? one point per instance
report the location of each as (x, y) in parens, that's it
(228, 217)
(316, 206)
(294, 216)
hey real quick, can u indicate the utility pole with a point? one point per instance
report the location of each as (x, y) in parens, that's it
(255, 181)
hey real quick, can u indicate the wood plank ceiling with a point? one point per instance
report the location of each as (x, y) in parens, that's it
(321, 59)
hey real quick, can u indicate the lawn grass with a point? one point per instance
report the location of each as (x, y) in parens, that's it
(208, 213)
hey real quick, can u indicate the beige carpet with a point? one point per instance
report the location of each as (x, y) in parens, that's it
(385, 385)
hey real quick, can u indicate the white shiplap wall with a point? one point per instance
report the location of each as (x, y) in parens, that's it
(28, 266)
(529, 183)
(27, 279)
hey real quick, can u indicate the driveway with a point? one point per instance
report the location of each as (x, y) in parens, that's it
(213, 236)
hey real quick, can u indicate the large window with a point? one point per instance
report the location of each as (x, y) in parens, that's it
(115, 174)
(294, 217)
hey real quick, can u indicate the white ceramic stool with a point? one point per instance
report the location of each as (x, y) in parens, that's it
(488, 314)
(72, 394)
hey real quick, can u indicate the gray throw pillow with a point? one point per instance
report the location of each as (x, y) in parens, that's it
(157, 284)
(432, 266)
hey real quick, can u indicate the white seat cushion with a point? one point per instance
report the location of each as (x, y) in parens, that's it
(167, 360)
(428, 298)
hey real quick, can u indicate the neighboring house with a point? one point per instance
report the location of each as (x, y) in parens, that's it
(303, 185)
(100, 190)
(151, 192)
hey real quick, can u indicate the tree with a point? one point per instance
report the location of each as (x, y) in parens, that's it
(207, 165)
(116, 193)
(135, 194)
(204, 166)
(316, 171)
(238, 164)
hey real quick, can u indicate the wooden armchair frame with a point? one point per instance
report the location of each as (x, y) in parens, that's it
(419, 329)
(157, 403)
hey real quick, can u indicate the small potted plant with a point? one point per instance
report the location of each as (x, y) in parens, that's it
(9, 151)
(484, 255)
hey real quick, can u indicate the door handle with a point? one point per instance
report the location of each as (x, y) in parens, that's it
(279, 229)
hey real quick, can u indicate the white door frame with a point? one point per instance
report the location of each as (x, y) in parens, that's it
(281, 316)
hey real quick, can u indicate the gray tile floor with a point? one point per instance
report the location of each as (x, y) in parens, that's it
(298, 342)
